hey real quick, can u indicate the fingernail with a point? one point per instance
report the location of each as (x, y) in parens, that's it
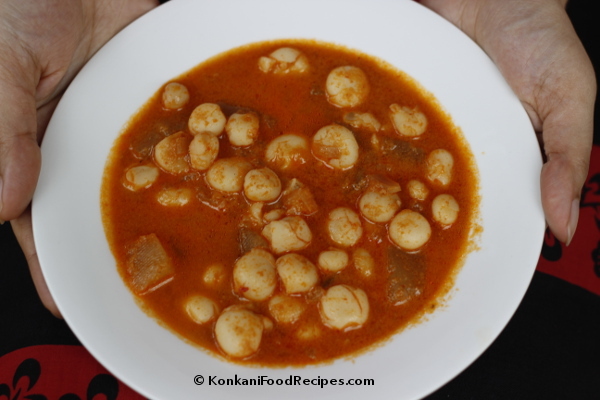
(573, 219)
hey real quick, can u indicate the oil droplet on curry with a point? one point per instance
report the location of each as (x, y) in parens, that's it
(289, 203)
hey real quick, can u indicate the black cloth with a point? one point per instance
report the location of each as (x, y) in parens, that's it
(549, 350)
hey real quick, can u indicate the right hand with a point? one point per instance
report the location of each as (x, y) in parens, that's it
(43, 44)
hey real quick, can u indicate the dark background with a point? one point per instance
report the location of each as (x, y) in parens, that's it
(549, 350)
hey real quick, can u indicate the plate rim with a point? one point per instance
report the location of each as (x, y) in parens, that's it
(132, 32)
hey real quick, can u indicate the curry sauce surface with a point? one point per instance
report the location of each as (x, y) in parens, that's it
(197, 235)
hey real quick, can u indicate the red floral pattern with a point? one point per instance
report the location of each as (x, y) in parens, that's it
(70, 373)
(579, 263)
(60, 372)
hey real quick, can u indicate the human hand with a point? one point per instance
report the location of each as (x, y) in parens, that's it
(43, 44)
(537, 50)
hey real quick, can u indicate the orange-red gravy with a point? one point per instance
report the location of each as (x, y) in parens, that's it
(196, 236)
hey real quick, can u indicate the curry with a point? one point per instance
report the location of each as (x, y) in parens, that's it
(289, 203)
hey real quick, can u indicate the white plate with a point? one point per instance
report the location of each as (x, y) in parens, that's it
(80, 269)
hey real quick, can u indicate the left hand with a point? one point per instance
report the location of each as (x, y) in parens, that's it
(534, 45)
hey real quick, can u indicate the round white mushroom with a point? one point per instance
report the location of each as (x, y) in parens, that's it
(445, 209)
(377, 206)
(347, 86)
(227, 174)
(365, 121)
(409, 230)
(174, 197)
(344, 226)
(286, 309)
(273, 215)
(170, 153)
(344, 307)
(203, 150)
(175, 96)
(417, 190)
(254, 275)
(363, 262)
(287, 234)
(439, 166)
(207, 118)
(140, 177)
(297, 273)
(214, 275)
(242, 128)
(408, 121)
(262, 185)
(238, 332)
(283, 61)
(335, 146)
(286, 151)
(201, 309)
(333, 260)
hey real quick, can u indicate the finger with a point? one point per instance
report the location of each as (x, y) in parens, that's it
(565, 105)
(537, 50)
(560, 197)
(20, 157)
(567, 142)
(23, 232)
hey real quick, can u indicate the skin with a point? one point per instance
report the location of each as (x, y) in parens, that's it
(44, 43)
(534, 45)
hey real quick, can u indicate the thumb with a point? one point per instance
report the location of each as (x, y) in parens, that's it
(565, 104)
(20, 157)
(567, 148)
